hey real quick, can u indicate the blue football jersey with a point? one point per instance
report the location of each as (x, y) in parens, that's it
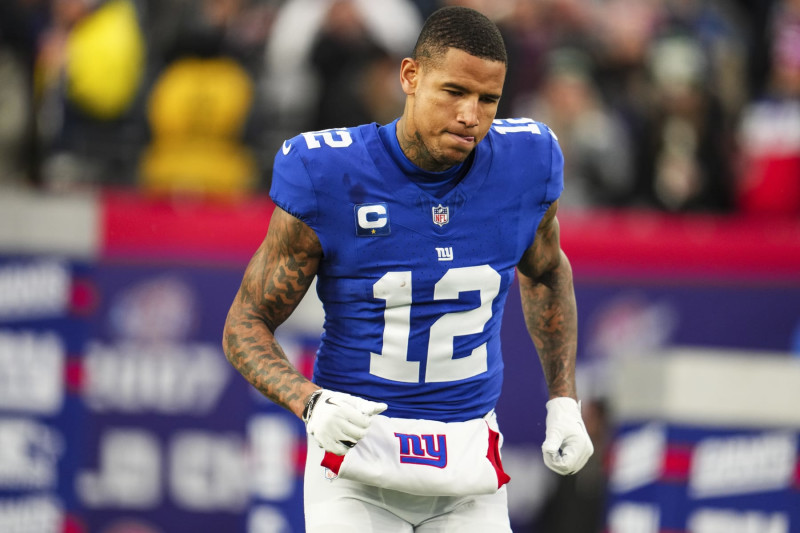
(413, 286)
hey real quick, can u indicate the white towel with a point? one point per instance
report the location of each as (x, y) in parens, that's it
(425, 457)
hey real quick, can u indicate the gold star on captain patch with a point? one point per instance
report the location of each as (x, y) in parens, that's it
(373, 232)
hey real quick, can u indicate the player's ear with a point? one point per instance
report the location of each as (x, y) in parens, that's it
(409, 75)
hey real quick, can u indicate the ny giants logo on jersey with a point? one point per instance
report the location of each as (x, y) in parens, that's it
(441, 215)
(445, 254)
(430, 450)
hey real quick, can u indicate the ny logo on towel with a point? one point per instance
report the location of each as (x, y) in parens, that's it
(428, 450)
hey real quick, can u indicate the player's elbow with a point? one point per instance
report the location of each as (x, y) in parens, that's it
(560, 268)
(232, 337)
(553, 269)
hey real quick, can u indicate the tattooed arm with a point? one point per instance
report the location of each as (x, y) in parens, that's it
(548, 304)
(277, 278)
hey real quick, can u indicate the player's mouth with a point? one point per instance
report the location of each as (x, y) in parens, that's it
(463, 139)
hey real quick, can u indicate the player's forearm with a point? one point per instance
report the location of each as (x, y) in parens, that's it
(549, 308)
(276, 279)
(252, 349)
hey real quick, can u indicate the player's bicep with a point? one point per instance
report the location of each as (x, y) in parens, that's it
(281, 270)
(544, 255)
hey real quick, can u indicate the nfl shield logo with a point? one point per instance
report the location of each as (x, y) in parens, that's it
(441, 215)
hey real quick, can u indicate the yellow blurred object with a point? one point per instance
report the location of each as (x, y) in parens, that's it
(217, 167)
(199, 97)
(197, 110)
(105, 60)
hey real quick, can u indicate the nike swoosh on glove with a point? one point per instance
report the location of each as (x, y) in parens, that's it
(338, 420)
(567, 445)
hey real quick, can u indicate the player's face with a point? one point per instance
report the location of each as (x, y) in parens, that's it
(452, 103)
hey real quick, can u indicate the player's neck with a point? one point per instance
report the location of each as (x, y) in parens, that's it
(414, 149)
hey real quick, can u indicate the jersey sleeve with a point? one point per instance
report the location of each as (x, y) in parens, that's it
(555, 183)
(292, 189)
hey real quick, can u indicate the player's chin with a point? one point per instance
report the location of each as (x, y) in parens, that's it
(451, 159)
(457, 154)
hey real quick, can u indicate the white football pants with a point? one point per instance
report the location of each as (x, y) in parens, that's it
(344, 506)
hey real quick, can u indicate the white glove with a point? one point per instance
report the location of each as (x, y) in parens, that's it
(337, 420)
(567, 445)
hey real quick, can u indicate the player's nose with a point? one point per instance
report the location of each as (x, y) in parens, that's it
(468, 112)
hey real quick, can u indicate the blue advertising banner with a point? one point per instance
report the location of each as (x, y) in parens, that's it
(120, 414)
(177, 439)
(44, 303)
(673, 478)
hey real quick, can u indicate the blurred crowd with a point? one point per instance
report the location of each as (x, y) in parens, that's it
(678, 105)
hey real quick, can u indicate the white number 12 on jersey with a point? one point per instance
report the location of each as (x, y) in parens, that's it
(395, 287)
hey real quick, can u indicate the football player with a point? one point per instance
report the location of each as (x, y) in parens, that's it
(415, 231)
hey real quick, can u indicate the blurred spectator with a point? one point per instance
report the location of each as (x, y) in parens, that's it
(105, 60)
(17, 126)
(623, 31)
(755, 14)
(292, 84)
(770, 128)
(15, 116)
(233, 28)
(348, 61)
(690, 138)
(717, 28)
(527, 33)
(90, 67)
(655, 68)
(596, 144)
(200, 107)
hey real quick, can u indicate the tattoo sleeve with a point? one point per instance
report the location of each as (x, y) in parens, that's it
(549, 308)
(276, 279)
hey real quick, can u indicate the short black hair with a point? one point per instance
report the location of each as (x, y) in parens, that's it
(462, 28)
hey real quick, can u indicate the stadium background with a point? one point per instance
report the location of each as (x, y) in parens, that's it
(135, 144)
